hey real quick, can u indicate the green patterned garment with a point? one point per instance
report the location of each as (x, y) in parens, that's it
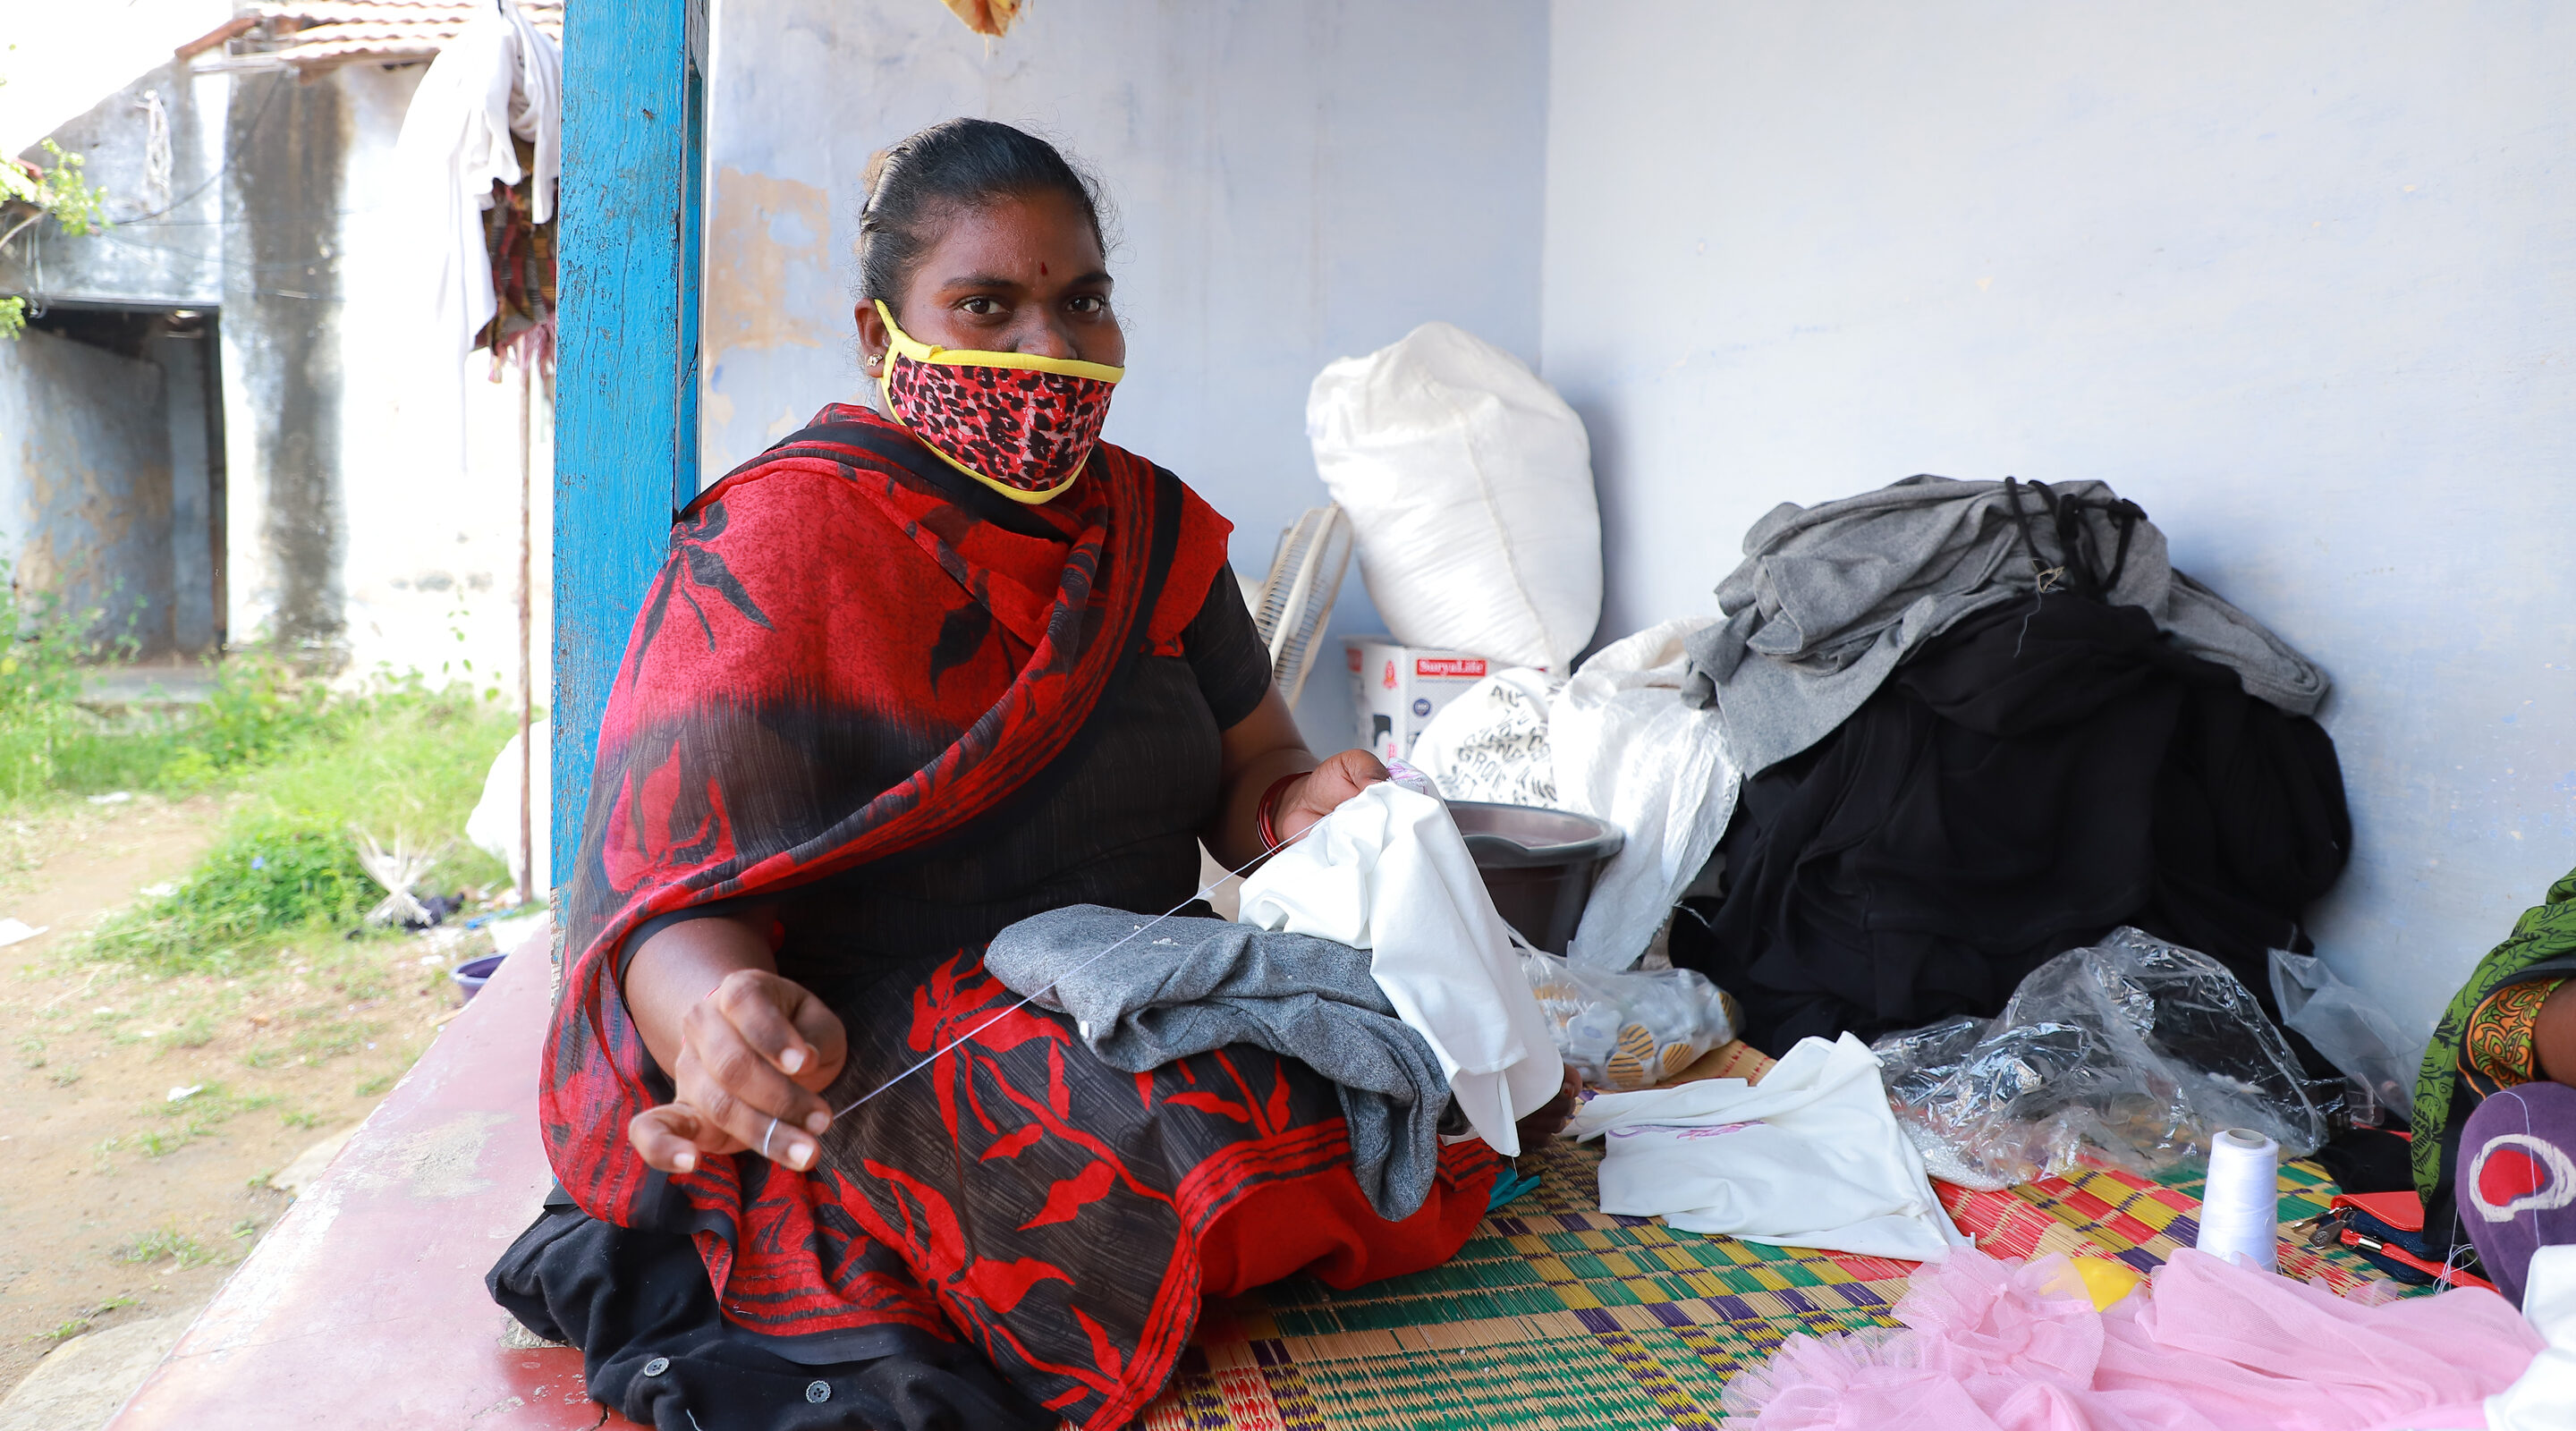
(2545, 932)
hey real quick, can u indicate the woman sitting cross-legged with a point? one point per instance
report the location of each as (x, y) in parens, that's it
(2495, 1112)
(906, 679)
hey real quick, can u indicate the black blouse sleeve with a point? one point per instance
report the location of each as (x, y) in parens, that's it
(1225, 652)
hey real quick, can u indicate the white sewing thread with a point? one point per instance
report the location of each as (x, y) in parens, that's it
(1031, 998)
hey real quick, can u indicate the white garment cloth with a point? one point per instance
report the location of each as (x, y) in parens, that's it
(1808, 1157)
(1388, 872)
(500, 76)
(1628, 751)
(2543, 1398)
(1615, 743)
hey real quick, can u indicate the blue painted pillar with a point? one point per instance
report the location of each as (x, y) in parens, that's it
(626, 387)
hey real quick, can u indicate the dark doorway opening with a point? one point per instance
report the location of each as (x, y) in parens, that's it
(124, 506)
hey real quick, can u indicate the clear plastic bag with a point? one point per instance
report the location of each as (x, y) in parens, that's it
(2132, 1052)
(1625, 1029)
(2357, 1036)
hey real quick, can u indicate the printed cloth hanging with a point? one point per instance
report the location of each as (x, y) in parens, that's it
(522, 254)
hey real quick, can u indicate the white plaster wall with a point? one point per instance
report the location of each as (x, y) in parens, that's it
(429, 490)
(2298, 278)
(1295, 183)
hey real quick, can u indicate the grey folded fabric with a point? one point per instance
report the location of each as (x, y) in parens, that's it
(1829, 598)
(1190, 985)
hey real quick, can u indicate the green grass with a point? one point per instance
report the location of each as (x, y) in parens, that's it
(399, 764)
(71, 1327)
(396, 761)
(171, 1243)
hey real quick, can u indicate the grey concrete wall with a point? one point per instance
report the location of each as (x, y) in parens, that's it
(288, 143)
(85, 500)
(165, 248)
(2298, 278)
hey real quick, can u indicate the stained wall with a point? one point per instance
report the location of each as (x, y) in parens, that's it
(85, 493)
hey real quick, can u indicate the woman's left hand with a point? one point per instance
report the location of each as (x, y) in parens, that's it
(1323, 790)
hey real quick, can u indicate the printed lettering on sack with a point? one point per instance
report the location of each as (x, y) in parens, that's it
(1450, 668)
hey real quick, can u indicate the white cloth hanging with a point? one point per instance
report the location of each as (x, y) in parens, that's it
(501, 76)
(1808, 1157)
(1628, 751)
(1389, 873)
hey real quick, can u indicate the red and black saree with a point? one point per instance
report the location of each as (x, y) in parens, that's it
(841, 669)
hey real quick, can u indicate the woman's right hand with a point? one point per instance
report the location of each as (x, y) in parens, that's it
(756, 1048)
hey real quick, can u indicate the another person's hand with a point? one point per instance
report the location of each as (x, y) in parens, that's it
(757, 1048)
(1323, 790)
(1550, 1118)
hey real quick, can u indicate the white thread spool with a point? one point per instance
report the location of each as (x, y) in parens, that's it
(2240, 1210)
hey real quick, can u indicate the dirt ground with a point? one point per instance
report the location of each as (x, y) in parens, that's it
(118, 1201)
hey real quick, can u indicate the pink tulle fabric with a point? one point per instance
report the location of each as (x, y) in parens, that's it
(1989, 1345)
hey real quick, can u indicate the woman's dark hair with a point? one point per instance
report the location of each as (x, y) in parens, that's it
(954, 164)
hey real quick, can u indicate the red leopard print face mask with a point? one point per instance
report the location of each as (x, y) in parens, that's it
(1020, 424)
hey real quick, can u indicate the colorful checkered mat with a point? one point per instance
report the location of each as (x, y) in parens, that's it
(1557, 1314)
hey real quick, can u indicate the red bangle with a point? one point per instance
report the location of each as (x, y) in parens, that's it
(1269, 807)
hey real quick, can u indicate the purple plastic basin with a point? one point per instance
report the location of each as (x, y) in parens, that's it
(473, 974)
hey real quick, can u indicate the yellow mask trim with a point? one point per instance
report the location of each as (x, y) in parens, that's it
(905, 345)
(920, 352)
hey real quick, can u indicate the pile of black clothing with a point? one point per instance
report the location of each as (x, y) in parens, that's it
(2059, 740)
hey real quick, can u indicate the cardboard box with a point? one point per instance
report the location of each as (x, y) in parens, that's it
(1396, 690)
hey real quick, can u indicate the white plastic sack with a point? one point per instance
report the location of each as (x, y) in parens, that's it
(1469, 484)
(494, 825)
(1808, 1157)
(1628, 751)
(1389, 873)
(1490, 742)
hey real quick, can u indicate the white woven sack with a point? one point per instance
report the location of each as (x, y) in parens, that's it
(1469, 484)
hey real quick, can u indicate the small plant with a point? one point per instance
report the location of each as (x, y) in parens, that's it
(43, 649)
(171, 1243)
(269, 875)
(298, 1118)
(71, 1327)
(197, 1032)
(28, 194)
(370, 1087)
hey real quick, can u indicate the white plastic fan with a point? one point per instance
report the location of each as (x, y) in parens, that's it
(1290, 609)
